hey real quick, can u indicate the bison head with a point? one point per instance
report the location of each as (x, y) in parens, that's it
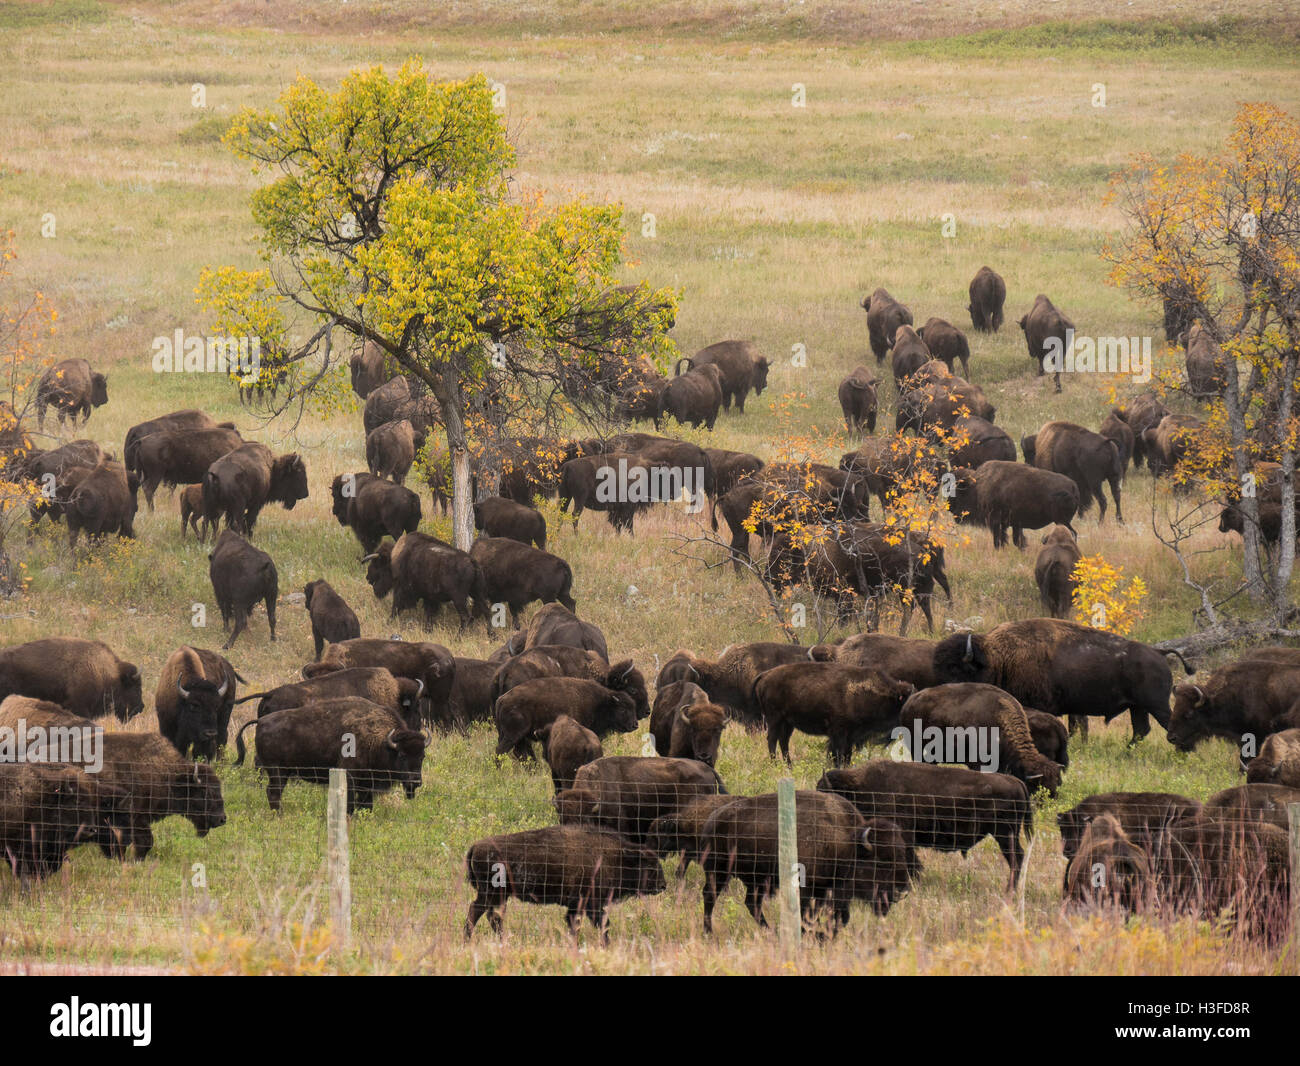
(761, 367)
(199, 715)
(704, 723)
(405, 750)
(620, 714)
(1029, 445)
(1231, 519)
(98, 390)
(624, 677)
(379, 571)
(961, 657)
(128, 697)
(201, 801)
(344, 491)
(577, 806)
(288, 480)
(1190, 723)
(886, 865)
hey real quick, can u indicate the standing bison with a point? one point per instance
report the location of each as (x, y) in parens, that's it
(741, 368)
(179, 455)
(1086, 458)
(1048, 334)
(241, 576)
(696, 396)
(884, 316)
(392, 448)
(527, 709)
(499, 517)
(857, 394)
(1001, 494)
(196, 693)
(988, 292)
(84, 677)
(71, 388)
(332, 620)
(420, 569)
(374, 508)
(518, 574)
(431, 665)
(243, 481)
(947, 343)
(1054, 571)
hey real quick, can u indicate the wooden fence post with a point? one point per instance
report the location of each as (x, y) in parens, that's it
(340, 877)
(788, 860)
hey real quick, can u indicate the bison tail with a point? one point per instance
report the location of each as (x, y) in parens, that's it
(251, 696)
(239, 741)
(1179, 656)
(713, 513)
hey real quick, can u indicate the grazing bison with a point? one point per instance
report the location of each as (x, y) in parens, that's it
(71, 388)
(567, 746)
(857, 394)
(499, 517)
(372, 743)
(631, 792)
(842, 857)
(1250, 698)
(431, 665)
(243, 481)
(392, 448)
(694, 397)
(84, 677)
(884, 316)
(988, 292)
(196, 693)
(1050, 736)
(1166, 443)
(1143, 412)
(685, 724)
(528, 708)
(846, 704)
(1064, 668)
(45, 810)
(158, 782)
(903, 658)
(947, 343)
(580, 868)
(729, 680)
(1278, 761)
(100, 501)
(1054, 570)
(332, 620)
(731, 468)
(187, 419)
(560, 660)
(471, 694)
(1047, 333)
(1109, 869)
(681, 831)
(423, 569)
(1142, 815)
(974, 441)
(909, 355)
(1116, 429)
(1206, 363)
(241, 576)
(179, 456)
(556, 624)
(374, 508)
(1086, 458)
(948, 808)
(963, 712)
(1253, 803)
(741, 369)
(374, 683)
(517, 574)
(1001, 494)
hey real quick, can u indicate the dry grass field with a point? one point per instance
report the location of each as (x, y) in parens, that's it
(772, 221)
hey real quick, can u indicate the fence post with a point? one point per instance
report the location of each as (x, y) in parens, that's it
(788, 861)
(340, 877)
(1293, 820)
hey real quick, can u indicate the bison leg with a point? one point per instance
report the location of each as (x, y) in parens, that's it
(1018, 538)
(1079, 724)
(755, 895)
(275, 782)
(1114, 492)
(477, 908)
(241, 623)
(270, 613)
(1141, 724)
(1009, 843)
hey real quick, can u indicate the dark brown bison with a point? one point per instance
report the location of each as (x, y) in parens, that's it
(420, 569)
(567, 746)
(556, 624)
(1001, 494)
(695, 397)
(729, 680)
(332, 620)
(47, 470)
(528, 708)
(99, 502)
(1054, 571)
(974, 441)
(1278, 761)
(561, 660)
(1116, 429)
(518, 574)
(681, 831)
(187, 419)
(398, 399)
(731, 468)
(1254, 802)
(968, 714)
(1086, 458)
(846, 704)
(180, 456)
(938, 406)
(692, 729)
(471, 694)
(903, 658)
(46, 810)
(430, 664)
(85, 677)
(1244, 701)
(631, 792)
(71, 388)
(196, 693)
(369, 369)
(741, 366)
(988, 292)
(241, 576)
(374, 508)
(374, 683)
(842, 857)
(602, 483)
(947, 343)
(1064, 668)
(1142, 815)
(1109, 869)
(1048, 334)
(884, 316)
(858, 400)
(1141, 413)
(246, 479)
(499, 517)
(372, 743)
(392, 448)
(948, 808)
(909, 355)
(580, 868)
(1206, 363)
(1166, 443)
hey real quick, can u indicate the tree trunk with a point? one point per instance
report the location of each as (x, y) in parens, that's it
(1251, 572)
(462, 482)
(1286, 548)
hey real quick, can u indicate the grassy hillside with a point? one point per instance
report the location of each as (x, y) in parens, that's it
(773, 221)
